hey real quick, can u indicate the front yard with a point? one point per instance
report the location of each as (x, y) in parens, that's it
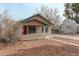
(42, 47)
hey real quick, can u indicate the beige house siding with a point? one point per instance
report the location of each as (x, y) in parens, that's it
(49, 29)
(39, 29)
(40, 19)
(33, 22)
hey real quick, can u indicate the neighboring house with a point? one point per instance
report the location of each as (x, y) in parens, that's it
(34, 27)
(68, 27)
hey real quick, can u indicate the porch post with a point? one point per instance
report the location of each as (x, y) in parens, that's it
(44, 29)
(27, 29)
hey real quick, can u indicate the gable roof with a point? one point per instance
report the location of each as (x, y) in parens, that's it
(36, 15)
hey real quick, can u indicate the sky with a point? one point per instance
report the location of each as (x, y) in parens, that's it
(24, 10)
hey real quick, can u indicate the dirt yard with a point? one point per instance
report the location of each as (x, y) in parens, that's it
(41, 47)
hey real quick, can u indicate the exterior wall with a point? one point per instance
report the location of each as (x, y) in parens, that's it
(39, 29)
(33, 22)
(49, 30)
(68, 27)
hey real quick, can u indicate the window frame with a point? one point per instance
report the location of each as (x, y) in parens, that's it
(31, 29)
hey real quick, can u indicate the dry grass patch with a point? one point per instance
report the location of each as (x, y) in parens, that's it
(49, 50)
(39, 48)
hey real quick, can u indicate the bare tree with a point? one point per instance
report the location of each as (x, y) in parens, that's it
(50, 14)
(8, 29)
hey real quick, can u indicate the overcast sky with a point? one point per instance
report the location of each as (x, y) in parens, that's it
(22, 10)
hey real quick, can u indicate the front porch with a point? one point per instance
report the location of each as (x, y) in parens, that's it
(30, 32)
(35, 27)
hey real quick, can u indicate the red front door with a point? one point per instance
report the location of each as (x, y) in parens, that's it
(24, 30)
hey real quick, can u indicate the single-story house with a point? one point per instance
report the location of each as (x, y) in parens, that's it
(34, 27)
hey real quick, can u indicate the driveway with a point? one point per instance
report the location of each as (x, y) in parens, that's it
(69, 39)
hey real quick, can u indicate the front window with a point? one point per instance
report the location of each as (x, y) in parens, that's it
(46, 29)
(32, 29)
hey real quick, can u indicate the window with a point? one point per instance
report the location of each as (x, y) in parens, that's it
(46, 29)
(32, 29)
(68, 26)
